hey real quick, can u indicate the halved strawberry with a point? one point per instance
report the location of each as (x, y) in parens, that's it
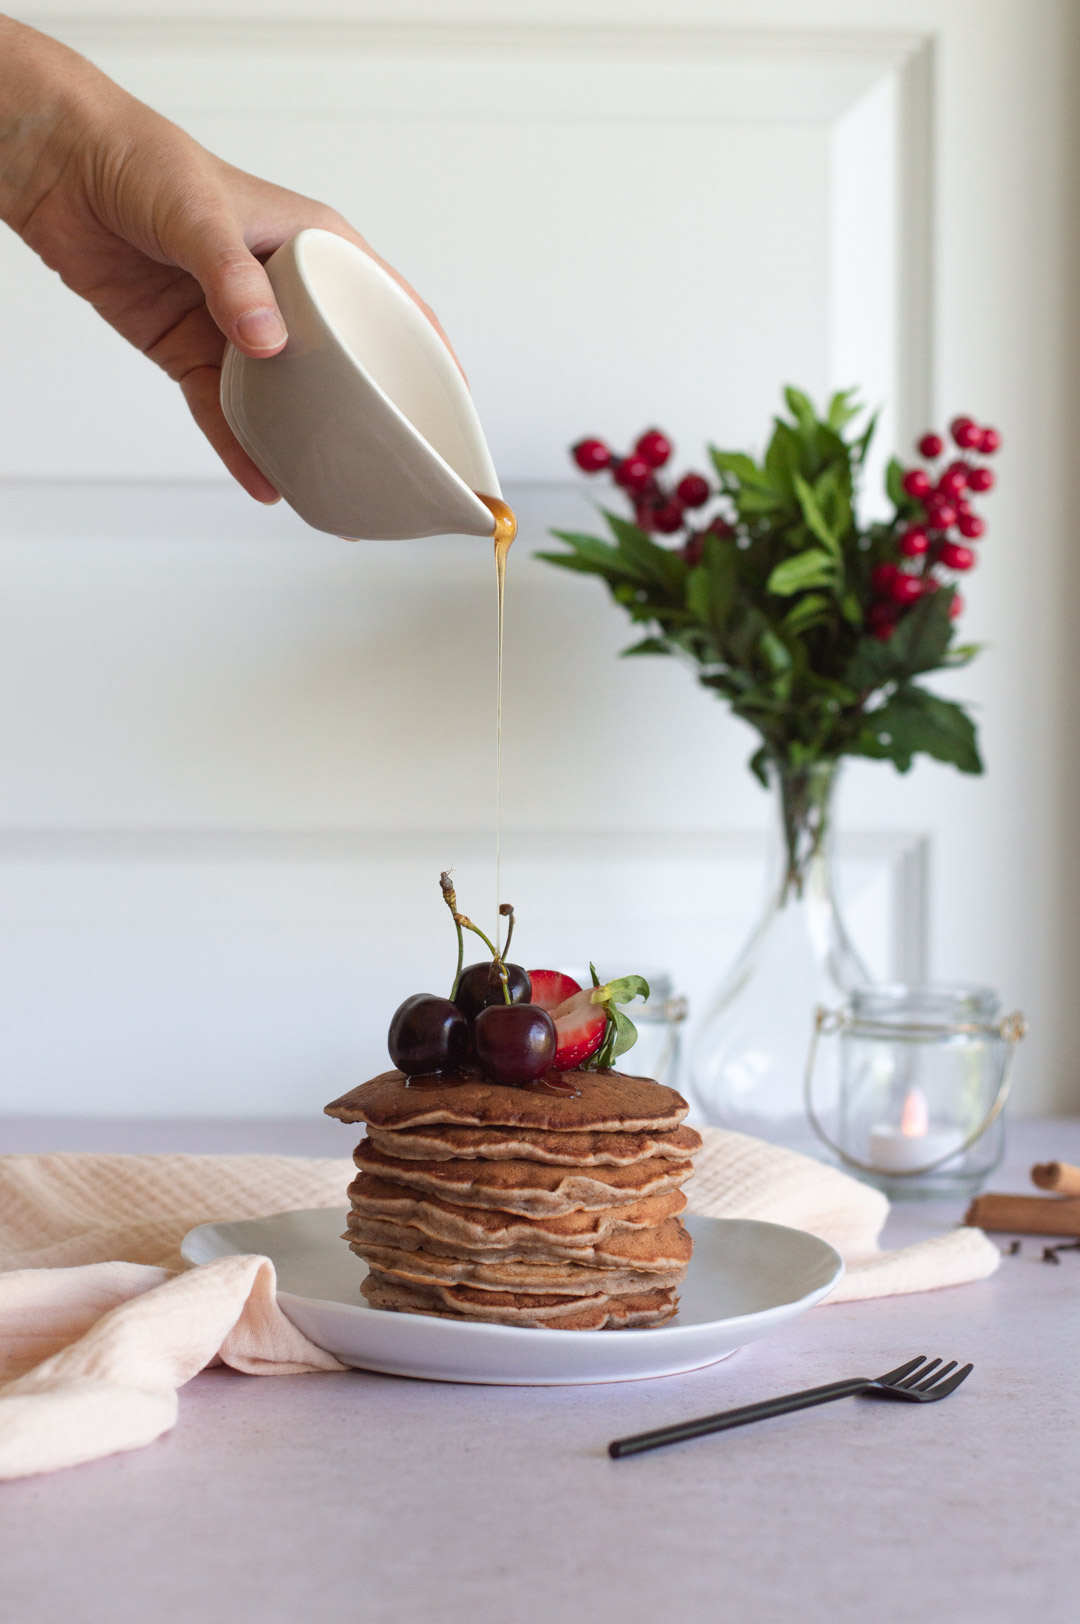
(550, 988)
(579, 1029)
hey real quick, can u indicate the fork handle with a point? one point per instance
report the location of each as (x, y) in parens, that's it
(737, 1418)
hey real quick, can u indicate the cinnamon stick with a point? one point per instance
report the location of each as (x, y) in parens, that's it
(1061, 1177)
(1026, 1214)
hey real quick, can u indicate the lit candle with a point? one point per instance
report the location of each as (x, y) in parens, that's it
(912, 1144)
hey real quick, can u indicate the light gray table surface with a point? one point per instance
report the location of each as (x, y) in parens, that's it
(364, 1497)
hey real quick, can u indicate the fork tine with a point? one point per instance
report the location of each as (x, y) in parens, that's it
(939, 1375)
(952, 1384)
(901, 1371)
(919, 1374)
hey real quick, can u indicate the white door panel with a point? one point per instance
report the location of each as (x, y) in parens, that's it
(232, 748)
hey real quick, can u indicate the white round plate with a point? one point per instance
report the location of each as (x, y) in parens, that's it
(746, 1279)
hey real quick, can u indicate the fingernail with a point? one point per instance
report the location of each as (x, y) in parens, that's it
(261, 329)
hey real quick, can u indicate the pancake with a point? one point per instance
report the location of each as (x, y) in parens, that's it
(658, 1248)
(486, 1227)
(534, 1276)
(443, 1142)
(607, 1102)
(531, 1188)
(554, 1311)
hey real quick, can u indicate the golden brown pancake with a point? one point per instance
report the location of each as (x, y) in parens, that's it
(442, 1142)
(532, 1188)
(479, 1226)
(607, 1102)
(556, 1311)
(567, 1278)
(660, 1247)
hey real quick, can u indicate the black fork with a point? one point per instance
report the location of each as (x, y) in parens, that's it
(920, 1381)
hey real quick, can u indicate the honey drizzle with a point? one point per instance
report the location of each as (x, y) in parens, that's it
(505, 531)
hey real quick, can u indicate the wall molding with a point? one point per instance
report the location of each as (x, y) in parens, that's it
(315, 35)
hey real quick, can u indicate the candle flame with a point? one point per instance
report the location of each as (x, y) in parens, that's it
(915, 1114)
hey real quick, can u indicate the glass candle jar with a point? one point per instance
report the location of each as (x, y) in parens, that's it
(924, 1073)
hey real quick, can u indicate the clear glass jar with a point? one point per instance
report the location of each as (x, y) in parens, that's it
(924, 1073)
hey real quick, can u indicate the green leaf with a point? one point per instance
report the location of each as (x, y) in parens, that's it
(894, 487)
(737, 463)
(961, 655)
(801, 571)
(802, 411)
(622, 991)
(659, 565)
(712, 584)
(759, 763)
(915, 721)
(783, 459)
(648, 645)
(816, 521)
(812, 610)
(918, 644)
(841, 411)
(861, 446)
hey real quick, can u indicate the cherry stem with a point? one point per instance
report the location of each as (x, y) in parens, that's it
(506, 909)
(450, 898)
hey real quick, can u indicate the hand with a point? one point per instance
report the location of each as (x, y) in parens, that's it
(161, 237)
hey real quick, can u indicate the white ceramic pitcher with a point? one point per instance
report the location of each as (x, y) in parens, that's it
(363, 422)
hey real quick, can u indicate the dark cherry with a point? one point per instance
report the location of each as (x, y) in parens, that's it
(428, 1034)
(476, 989)
(515, 1043)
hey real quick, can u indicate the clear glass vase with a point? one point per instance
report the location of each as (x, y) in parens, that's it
(748, 1062)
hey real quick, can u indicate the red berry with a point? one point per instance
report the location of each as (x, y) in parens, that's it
(956, 607)
(989, 442)
(959, 467)
(591, 455)
(966, 432)
(981, 479)
(634, 474)
(971, 526)
(942, 515)
(579, 1029)
(930, 585)
(668, 517)
(916, 483)
(719, 527)
(931, 445)
(693, 550)
(882, 621)
(882, 577)
(913, 543)
(952, 483)
(692, 490)
(955, 557)
(906, 588)
(654, 448)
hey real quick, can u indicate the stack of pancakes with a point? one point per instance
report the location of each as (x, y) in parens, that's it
(521, 1206)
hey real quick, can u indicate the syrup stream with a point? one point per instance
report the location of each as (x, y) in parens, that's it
(505, 531)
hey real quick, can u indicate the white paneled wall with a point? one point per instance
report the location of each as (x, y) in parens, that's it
(235, 753)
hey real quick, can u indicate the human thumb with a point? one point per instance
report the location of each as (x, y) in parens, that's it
(237, 288)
